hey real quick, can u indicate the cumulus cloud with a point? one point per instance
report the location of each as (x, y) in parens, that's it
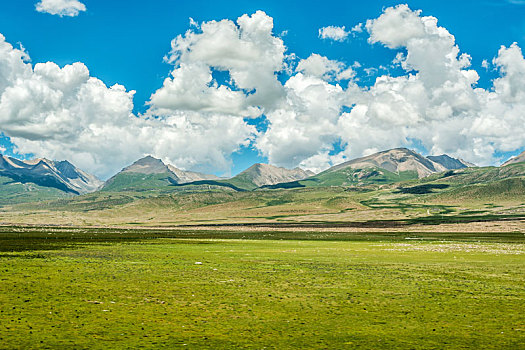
(305, 126)
(227, 71)
(64, 113)
(333, 33)
(436, 103)
(13, 64)
(247, 50)
(322, 67)
(396, 26)
(69, 8)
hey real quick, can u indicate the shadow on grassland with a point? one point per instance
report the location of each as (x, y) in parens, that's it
(18, 239)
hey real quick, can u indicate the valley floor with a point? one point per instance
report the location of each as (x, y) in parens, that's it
(339, 209)
(260, 288)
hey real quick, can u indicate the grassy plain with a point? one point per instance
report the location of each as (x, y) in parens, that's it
(129, 288)
(462, 196)
(393, 206)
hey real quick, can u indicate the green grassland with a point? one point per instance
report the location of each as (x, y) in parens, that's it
(343, 177)
(242, 181)
(383, 200)
(327, 263)
(108, 288)
(444, 199)
(14, 192)
(125, 182)
(357, 177)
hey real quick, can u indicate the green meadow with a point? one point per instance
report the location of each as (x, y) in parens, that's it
(109, 288)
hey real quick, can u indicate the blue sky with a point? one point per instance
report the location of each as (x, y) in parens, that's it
(124, 42)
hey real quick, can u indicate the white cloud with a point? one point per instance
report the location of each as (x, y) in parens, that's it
(64, 113)
(69, 8)
(192, 88)
(304, 127)
(322, 67)
(194, 120)
(436, 103)
(358, 28)
(193, 23)
(225, 71)
(333, 33)
(511, 86)
(13, 64)
(247, 50)
(396, 26)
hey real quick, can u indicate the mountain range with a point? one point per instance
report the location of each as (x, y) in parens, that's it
(41, 179)
(48, 173)
(38, 179)
(391, 166)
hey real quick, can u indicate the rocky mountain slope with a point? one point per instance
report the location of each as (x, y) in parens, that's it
(395, 160)
(265, 174)
(44, 179)
(451, 163)
(147, 165)
(518, 159)
(258, 175)
(189, 176)
(151, 173)
(391, 166)
(61, 175)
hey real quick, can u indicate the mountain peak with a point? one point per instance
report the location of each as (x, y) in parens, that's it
(261, 166)
(148, 160)
(403, 159)
(67, 169)
(149, 157)
(147, 165)
(261, 174)
(140, 170)
(394, 160)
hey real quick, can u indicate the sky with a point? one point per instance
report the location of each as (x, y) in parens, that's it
(217, 86)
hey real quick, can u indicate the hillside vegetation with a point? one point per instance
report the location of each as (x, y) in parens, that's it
(145, 194)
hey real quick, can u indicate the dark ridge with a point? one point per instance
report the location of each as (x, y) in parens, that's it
(423, 189)
(284, 185)
(371, 224)
(449, 173)
(68, 170)
(211, 183)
